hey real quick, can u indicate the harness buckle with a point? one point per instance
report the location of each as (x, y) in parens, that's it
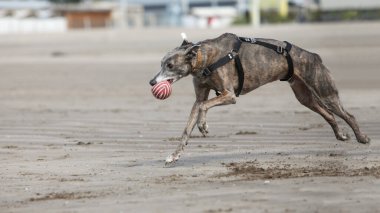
(280, 49)
(247, 39)
(230, 55)
(206, 72)
(251, 40)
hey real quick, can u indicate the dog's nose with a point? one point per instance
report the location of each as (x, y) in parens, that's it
(152, 82)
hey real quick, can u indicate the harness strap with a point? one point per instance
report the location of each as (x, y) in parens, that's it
(289, 76)
(221, 62)
(240, 70)
(278, 49)
(233, 55)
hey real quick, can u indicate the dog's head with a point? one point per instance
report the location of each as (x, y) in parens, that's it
(176, 64)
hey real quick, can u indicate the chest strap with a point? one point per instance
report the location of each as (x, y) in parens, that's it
(233, 55)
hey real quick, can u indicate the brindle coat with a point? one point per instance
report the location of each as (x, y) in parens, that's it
(312, 82)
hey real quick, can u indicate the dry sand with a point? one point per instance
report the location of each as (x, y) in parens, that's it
(80, 131)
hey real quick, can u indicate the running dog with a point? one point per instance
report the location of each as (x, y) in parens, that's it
(233, 65)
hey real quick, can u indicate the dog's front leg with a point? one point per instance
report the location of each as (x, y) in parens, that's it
(201, 95)
(225, 98)
(202, 124)
(186, 134)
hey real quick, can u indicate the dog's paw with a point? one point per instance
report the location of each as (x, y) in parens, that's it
(342, 136)
(364, 139)
(171, 159)
(203, 128)
(169, 164)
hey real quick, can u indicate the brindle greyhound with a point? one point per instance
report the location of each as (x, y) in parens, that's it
(311, 81)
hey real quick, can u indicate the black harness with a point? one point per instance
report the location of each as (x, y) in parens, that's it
(234, 55)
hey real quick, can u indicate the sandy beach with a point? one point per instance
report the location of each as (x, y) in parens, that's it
(81, 132)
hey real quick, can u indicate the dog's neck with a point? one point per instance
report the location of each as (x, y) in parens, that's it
(198, 62)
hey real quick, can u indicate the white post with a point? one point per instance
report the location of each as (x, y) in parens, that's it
(123, 14)
(255, 13)
(185, 6)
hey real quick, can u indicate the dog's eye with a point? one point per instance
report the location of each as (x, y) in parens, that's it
(170, 66)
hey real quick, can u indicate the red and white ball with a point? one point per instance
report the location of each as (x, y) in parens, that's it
(162, 90)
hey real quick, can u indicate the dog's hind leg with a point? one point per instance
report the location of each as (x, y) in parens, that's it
(310, 99)
(322, 85)
(337, 108)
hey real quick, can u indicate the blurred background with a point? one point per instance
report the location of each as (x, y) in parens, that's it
(53, 53)
(67, 53)
(23, 16)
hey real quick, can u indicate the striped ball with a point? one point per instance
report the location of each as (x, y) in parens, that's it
(162, 90)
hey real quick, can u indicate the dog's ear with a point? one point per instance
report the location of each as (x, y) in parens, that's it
(191, 51)
(185, 42)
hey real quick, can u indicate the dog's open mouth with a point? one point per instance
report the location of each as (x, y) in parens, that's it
(171, 80)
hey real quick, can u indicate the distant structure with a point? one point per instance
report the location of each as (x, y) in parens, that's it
(21, 16)
(348, 4)
(85, 15)
(339, 10)
(204, 13)
(190, 13)
(29, 16)
(280, 6)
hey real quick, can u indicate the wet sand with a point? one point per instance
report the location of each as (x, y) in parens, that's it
(80, 131)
